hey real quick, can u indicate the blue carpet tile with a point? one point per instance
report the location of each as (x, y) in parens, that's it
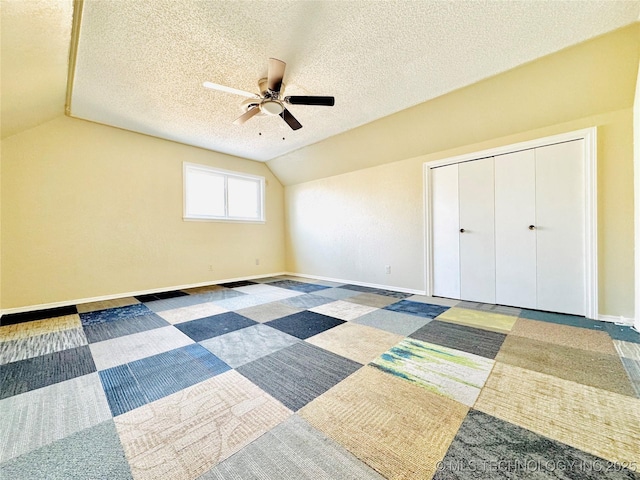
(297, 374)
(298, 286)
(305, 324)
(562, 319)
(377, 291)
(424, 310)
(137, 383)
(160, 296)
(488, 448)
(621, 332)
(113, 314)
(214, 326)
(241, 283)
(126, 326)
(37, 372)
(13, 318)
(460, 337)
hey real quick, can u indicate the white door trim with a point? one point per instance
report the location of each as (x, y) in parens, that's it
(589, 136)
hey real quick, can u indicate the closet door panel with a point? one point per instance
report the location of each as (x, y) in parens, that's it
(477, 244)
(560, 226)
(515, 241)
(446, 239)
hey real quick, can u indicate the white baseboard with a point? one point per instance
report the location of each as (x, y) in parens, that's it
(67, 303)
(361, 284)
(618, 320)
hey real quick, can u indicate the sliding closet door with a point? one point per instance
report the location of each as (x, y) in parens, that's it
(477, 245)
(446, 239)
(560, 211)
(515, 229)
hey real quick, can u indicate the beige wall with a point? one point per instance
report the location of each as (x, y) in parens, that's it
(90, 210)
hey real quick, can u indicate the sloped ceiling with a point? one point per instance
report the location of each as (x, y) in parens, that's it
(140, 64)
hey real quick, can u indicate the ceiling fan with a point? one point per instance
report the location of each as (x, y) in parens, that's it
(270, 101)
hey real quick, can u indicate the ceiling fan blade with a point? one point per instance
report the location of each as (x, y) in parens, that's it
(224, 88)
(291, 120)
(246, 115)
(275, 74)
(306, 100)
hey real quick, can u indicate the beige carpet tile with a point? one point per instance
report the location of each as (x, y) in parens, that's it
(185, 434)
(445, 302)
(34, 346)
(105, 304)
(192, 312)
(372, 300)
(564, 335)
(39, 417)
(627, 349)
(39, 327)
(204, 289)
(597, 421)
(588, 368)
(343, 310)
(356, 342)
(267, 312)
(129, 348)
(397, 428)
(445, 371)
(494, 322)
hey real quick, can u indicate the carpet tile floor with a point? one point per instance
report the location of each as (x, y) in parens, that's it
(294, 378)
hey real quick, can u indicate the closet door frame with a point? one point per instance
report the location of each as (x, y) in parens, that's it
(589, 136)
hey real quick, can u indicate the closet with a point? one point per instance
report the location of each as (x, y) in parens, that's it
(510, 229)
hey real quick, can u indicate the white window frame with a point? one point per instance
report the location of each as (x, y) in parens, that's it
(226, 174)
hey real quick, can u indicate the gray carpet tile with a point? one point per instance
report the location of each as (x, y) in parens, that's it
(460, 337)
(487, 307)
(447, 302)
(393, 322)
(633, 370)
(305, 324)
(245, 301)
(622, 332)
(297, 374)
(39, 417)
(377, 291)
(213, 326)
(176, 302)
(113, 314)
(488, 448)
(371, 300)
(299, 286)
(37, 372)
(92, 453)
(248, 344)
(216, 295)
(337, 293)
(23, 348)
(107, 331)
(292, 450)
(307, 301)
(268, 311)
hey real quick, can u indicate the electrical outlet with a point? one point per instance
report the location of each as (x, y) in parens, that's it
(387, 269)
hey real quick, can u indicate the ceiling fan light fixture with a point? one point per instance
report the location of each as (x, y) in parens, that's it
(271, 107)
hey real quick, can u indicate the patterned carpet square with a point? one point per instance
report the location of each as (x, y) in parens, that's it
(444, 371)
(39, 327)
(150, 297)
(292, 450)
(337, 293)
(564, 335)
(37, 372)
(114, 314)
(117, 351)
(356, 342)
(208, 294)
(42, 416)
(105, 331)
(192, 312)
(269, 311)
(588, 368)
(627, 349)
(204, 289)
(597, 421)
(213, 326)
(297, 374)
(29, 347)
(143, 381)
(495, 322)
(175, 302)
(445, 302)
(424, 310)
(377, 291)
(240, 283)
(393, 322)
(299, 286)
(397, 428)
(92, 453)
(343, 310)
(372, 300)
(488, 307)
(304, 324)
(244, 301)
(562, 319)
(185, 434)
(467, 339)
(633, 372)
(307, 301)
(259, 288)
(486, 448)
(107, 304)
(621, 332)
(14, 318)
(248, 344)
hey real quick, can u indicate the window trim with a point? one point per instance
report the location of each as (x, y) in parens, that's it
(226, 174)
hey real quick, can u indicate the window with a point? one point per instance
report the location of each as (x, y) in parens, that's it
(213, 194)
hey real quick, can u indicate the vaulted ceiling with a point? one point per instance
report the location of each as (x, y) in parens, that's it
(140, 65)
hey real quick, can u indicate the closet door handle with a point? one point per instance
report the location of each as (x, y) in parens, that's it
(532, 227)
(462, 230)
